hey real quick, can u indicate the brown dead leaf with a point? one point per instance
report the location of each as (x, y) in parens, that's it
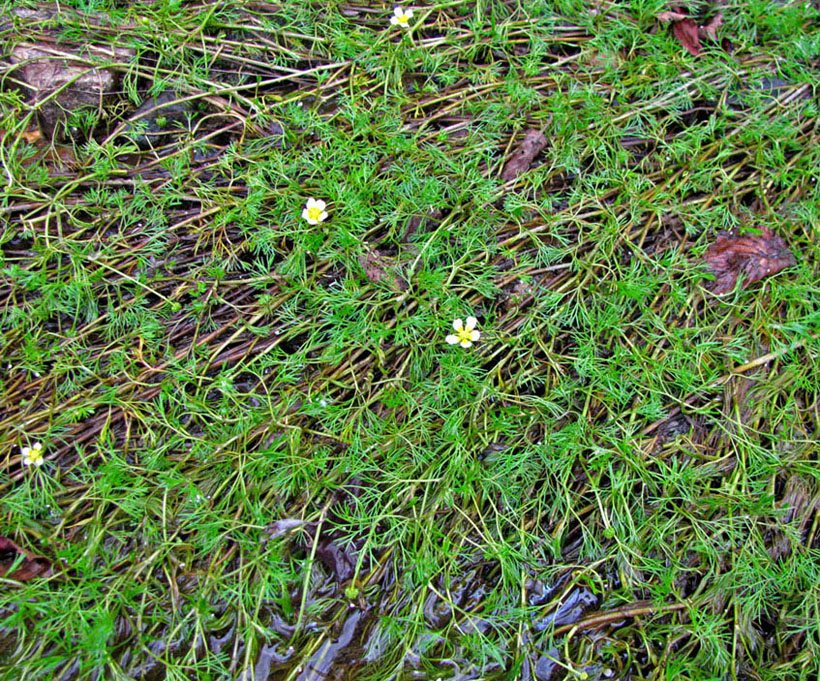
(753, 256)
(709, 29)
(379, 267)
(532, 144)
(339, 561)
(32, 136)
(516, 294)
(63, 157)
(671, 16)
(417, 222)
(32, 566)
(283, 526)
(686, 31)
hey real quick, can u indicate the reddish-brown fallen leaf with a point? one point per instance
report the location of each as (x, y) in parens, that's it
(378, 267)
(32, 566)
(426, 222)
(532, 144)
(686, 31)
(671, 16)
(753, 256)
(709, 29)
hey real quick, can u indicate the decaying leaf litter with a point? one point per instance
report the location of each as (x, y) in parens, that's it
(261, 457)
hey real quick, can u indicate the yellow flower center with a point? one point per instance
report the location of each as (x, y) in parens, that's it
(464, 335)
(403, 19)
(314, 213)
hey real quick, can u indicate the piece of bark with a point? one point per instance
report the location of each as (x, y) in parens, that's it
(753, 256)
(532, 144)
(46, 69)
(153, 122)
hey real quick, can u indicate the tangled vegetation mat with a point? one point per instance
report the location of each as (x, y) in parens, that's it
(477, 341)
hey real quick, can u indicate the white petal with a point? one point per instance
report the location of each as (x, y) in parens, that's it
(38, 446)
(476, 335)
(458, 325)
(25, 451)
(394, 20)
(305, 214)
(465, 344)
(26, 460)
(408, 13)
(452, 339)
(311, 221)
(321, 205)
(311, 203)
(40, 461)
(471, 322)
(398, 11)
(323, 216)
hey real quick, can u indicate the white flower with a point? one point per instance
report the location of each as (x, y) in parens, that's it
(314, 211)
(401, 17)
(32, 456)
(465, 335)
